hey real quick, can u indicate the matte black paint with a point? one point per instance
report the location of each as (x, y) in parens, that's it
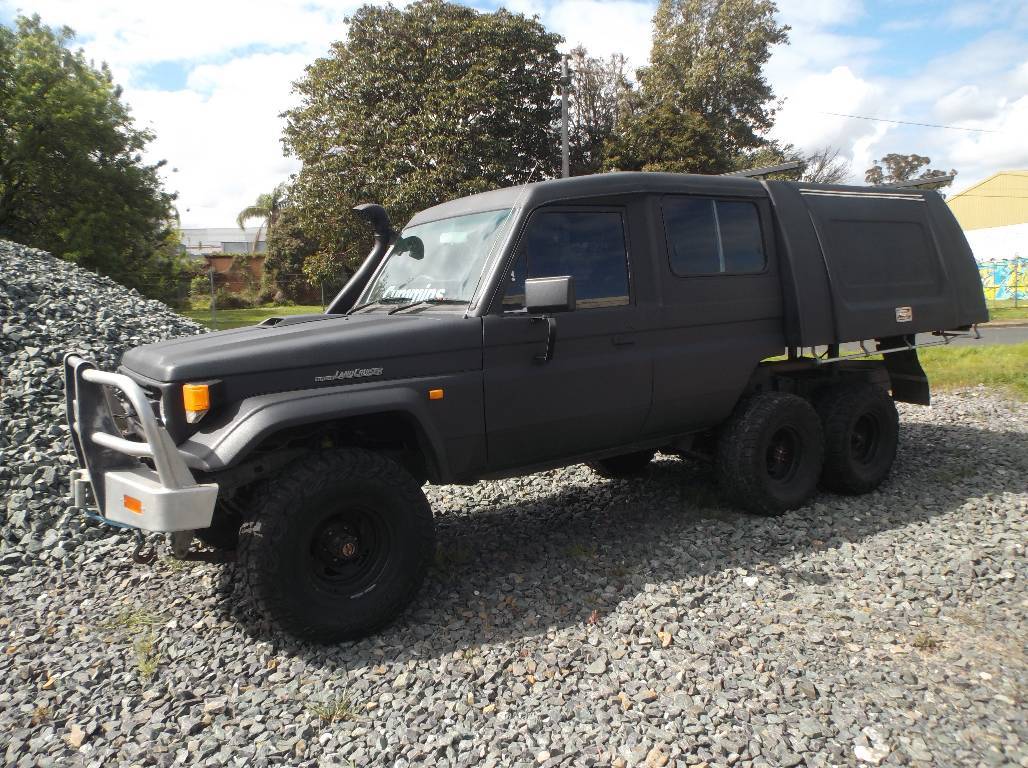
(674, 361)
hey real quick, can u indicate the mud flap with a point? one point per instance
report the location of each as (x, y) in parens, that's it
(909, 382)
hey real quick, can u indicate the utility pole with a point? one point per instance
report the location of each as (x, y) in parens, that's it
(214, 297)
(565, 162)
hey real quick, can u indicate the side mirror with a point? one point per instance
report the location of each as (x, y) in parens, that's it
(550, 294)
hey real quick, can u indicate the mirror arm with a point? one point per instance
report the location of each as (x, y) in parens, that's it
(551, 338)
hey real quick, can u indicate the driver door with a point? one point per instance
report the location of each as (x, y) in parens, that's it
(594, 393)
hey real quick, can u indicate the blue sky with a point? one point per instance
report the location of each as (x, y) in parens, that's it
(211, 78)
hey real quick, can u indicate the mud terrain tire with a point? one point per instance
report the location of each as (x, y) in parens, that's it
(338, 546)
(770, 452)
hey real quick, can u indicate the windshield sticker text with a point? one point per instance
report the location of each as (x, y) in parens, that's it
(414, 294)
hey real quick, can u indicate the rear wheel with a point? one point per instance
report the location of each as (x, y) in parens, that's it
(770, 452)
(338, 546)
(861, 429)
(627, 465)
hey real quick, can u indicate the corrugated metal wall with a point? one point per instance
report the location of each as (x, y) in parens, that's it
(998, 201)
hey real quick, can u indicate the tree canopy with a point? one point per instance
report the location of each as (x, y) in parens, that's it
(895, 167)
(72, 178)
(704, 82)
(598, 94)
(418, 105)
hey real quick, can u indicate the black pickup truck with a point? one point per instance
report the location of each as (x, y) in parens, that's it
(766, 326)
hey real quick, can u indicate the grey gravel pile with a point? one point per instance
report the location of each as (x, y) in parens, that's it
(571, 620)
(49, 307)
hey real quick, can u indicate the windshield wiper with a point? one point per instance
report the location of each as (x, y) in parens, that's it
(429, 302)
(375, 303)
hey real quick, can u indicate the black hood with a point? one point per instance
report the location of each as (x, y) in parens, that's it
(300, 351)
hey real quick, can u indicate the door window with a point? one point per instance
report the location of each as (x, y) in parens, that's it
(588, 245)
(709, 237)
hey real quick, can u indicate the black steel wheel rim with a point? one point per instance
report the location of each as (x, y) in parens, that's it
(349, 550)
(865, 438)
(783, 455)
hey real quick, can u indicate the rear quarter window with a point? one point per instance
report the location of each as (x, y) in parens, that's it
(711, 237)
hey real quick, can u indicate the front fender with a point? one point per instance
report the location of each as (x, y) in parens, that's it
(244, 425)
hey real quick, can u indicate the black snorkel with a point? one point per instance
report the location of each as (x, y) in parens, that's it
(375, 215)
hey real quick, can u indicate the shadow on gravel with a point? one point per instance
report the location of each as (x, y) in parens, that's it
(505, 573)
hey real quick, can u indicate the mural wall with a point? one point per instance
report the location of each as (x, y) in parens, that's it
(1006, 279)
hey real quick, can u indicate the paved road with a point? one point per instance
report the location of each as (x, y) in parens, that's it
(1011, 334)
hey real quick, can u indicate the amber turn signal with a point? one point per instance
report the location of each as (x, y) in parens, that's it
(132, 504)
(197, 400)
(435, 394)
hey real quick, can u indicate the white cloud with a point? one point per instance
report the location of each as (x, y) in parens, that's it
(968, 102)
(979, 155)
(804, 120)
(222, 133)
(604, 27)
(132, 33)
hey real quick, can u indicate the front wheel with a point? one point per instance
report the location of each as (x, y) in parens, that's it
(338, 546)
(770, 452)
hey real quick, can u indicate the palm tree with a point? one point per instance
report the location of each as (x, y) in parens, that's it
(267, 209)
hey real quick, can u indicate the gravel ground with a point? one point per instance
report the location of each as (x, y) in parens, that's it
(49, 307)
(568, 620)
(571, 620)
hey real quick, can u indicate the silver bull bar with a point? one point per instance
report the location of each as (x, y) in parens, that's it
(127, 491)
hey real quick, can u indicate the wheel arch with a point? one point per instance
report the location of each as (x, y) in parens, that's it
(260, 421)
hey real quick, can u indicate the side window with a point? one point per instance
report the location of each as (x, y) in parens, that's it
(710, 237)
(741, 243)
(588, 245)
(691, 235)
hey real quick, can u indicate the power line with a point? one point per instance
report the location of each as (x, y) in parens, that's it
(908, 122)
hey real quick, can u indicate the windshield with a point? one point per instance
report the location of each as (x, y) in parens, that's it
(437, 261)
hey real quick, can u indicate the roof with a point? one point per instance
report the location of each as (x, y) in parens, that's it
(998, 201)
(596, 185)
(220, 234)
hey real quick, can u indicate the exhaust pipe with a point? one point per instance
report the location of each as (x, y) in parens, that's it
(375, 215)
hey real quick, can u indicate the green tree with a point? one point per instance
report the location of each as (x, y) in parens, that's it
(705, 75)
(894, 167)
(598, 95)
(658, 136)
(289, 246)
(325, 269)
(267, 209)
(416, 106)
(72, 179)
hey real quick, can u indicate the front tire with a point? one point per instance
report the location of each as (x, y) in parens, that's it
(861, 428)
(338, 546)
(770, 453)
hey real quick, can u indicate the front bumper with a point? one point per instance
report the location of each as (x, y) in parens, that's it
(142, 484)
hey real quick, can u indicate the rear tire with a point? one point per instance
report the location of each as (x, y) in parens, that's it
(627, 465)
(861, 429)
(769, 453)
(338, 546)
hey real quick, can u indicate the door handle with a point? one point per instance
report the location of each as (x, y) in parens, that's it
(551, 338)
(622, 341)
